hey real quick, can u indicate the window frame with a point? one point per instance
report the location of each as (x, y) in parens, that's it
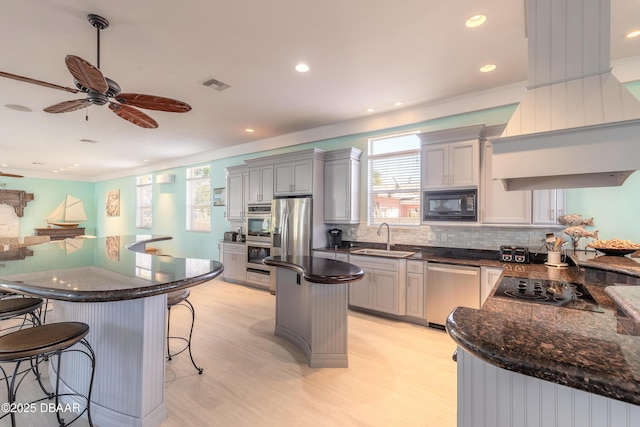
(146, 186)
(192, 205)
(373, 219)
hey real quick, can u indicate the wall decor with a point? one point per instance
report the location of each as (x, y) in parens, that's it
(113, 203)
(113, 247)
(218, 196)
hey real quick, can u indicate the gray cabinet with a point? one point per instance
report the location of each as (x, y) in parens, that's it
(236, 189)
(342, 186)
(450, 165)
(416, 289)
(383, 287)
(260, 184)
(235, 262)
(293, 178)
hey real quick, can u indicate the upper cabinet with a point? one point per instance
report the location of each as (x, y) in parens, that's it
(548, 206)
(293, 178)
(342, 186)
(450, 165)
(498, 206)
(451, 158)
(236, 192)
(260, 184)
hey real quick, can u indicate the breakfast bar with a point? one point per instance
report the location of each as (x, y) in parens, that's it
(116, 288)
(311, 306)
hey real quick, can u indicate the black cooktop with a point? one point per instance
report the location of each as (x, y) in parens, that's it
(551, 292)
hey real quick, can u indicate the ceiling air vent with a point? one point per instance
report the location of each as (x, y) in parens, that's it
(216, 85)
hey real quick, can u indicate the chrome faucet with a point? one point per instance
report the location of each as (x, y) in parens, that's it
(388, 234)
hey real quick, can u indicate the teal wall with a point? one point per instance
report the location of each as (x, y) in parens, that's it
(47, 195)
(614, 209)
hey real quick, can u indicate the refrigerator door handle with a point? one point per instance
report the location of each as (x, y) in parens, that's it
(285, 235)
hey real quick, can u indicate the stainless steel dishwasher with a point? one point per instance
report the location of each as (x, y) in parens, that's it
(450, 286)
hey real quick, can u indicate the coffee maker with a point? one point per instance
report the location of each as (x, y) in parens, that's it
(335, 238)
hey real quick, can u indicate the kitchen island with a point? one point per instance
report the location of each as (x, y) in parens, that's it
(525, 363)
(120, 292)
(311, 306)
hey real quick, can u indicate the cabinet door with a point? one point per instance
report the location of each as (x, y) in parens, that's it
(302, 178)
(548, 206)
(360, 291)
(282, 179)
(266, 184)
(260, 184)
(254, 185)
(337, 191)
(488, 279)
(235, 196)
(415, 295)
(435, 165)
(384, 285)
(498, 205)
(342, 257)
(464, 164)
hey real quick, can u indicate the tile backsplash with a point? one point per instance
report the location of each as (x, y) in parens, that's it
(469, 237)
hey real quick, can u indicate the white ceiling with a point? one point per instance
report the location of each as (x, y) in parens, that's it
(362, 53)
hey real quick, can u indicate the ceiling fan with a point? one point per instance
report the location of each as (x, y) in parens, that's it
(102, 90)
(10, 175)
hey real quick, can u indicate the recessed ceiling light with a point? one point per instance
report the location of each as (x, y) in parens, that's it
(370, 110)
(476, 21)
(17, 107)
(302, 68)
(249, 130)
(633, 34)
(4, 165)
(487, 68)
(397, 104)
(88, 141)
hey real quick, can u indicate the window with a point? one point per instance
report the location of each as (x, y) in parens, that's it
(144, 197)
(394, 180)
(198, 199)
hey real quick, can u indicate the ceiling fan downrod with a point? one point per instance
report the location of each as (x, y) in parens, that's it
(99, 23)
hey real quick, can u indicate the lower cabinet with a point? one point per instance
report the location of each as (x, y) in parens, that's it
(415, 289)
(488, 278)
(329, 254)
(383, 287)
(235, 262)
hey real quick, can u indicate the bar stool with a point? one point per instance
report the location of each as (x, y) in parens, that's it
(15, 306)
(180, 298)
(40, 343)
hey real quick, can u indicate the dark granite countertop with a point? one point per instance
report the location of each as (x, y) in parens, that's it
(318, 270)
(580, 349)
(576, 348)
(104, 269)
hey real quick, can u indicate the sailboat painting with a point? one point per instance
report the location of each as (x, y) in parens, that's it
(69, 213)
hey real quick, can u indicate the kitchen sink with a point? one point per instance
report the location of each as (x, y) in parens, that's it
(382, 252)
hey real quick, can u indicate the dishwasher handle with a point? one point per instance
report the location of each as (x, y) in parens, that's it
(453, 270)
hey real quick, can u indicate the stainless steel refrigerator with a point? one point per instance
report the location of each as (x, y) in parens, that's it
(291, 228)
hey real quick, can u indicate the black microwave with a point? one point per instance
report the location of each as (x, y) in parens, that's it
(450, 205)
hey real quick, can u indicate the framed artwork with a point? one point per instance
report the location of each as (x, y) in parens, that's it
(218, 196)
(112, 248)
(113, 203)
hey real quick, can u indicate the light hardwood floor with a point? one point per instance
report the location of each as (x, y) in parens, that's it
(399, 374)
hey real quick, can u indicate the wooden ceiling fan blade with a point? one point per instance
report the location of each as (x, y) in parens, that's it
(67, 106)
(37, 82)
(151, 102)
(133, 115)
(86, 74)
(10, 175)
